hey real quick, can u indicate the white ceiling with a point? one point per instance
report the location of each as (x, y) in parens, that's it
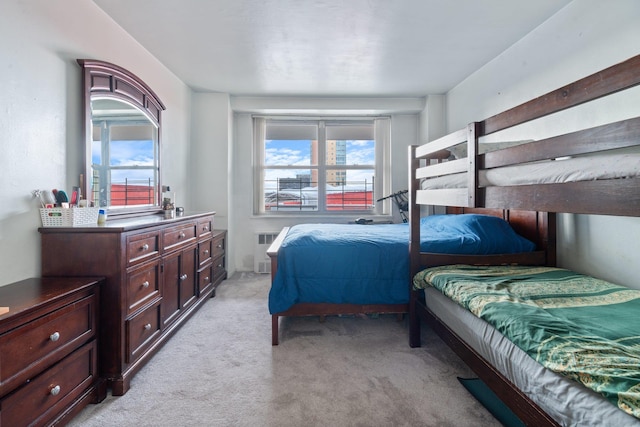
(327, 47)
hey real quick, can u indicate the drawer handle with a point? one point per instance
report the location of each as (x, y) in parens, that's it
(219, 246)
(54, 336)
(182, 235)
(147, 326)
(145, 284)
(206, 279)
(205, 228)
(145, 247)
(55, 391)
(206, 251)
(183, 277)
(219, 265)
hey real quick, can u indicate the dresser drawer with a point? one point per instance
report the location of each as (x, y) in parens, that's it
(143, 285)
(53, 390)
(176, 237)
(218, 268)
(141, 330)
(142, 247)
(205, 279)
(205, 226)
(218, 246)
(45, 341)
(205, 249)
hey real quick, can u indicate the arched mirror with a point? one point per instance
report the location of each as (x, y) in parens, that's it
(122, 140)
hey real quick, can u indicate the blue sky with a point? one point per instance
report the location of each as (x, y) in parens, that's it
(298, 153)
(127, 153)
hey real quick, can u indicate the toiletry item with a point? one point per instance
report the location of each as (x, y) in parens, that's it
(102, 217)
(48, 197)
(61, 197)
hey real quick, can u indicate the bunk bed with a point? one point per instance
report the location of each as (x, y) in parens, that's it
(490, 177)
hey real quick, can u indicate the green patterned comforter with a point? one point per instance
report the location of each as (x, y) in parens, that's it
(580, 327)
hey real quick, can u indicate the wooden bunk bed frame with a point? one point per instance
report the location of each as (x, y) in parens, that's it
(321, 309)
(618, 197)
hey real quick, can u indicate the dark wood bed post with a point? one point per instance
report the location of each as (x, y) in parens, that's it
(414, 248)
(272, 253)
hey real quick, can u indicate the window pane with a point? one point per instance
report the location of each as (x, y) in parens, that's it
(289, 152)
(132, 187)
(351, 152)
(350, 190)
(131, 153)
(290, 190)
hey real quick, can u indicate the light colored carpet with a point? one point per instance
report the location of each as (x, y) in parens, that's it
(221, 370)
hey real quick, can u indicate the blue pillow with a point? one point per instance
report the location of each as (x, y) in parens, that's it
(470, 234)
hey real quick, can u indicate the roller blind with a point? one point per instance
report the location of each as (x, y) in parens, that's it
(350, 132)
(283, 131)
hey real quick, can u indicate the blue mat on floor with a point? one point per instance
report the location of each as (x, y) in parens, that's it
(489, 400)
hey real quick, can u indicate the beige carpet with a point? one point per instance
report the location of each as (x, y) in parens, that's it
(221, 370)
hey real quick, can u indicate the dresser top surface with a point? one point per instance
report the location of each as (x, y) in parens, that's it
(128, 224)
(29, 294)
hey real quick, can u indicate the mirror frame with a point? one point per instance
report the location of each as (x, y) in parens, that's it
(107, 80)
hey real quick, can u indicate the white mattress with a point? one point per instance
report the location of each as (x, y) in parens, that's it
(605, 166)
(567, 401)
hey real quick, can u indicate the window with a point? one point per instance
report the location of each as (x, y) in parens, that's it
(125, 163)
(320, 166)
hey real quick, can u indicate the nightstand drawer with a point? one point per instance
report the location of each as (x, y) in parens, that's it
(142, 247)
(142, 286)
(179, 236)
(141, 331)
(45, 340)
(49, 393)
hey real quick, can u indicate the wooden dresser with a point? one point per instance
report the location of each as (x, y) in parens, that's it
(158, 272)
(48, 350)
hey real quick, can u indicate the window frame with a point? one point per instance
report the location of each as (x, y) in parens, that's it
(381, 126)
(105, 168)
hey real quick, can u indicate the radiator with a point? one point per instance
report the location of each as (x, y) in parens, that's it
(261, 262)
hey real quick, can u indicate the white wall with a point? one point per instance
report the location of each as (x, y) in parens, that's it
(40, 124)
(404, 132)
(209, 169)
(584, 37)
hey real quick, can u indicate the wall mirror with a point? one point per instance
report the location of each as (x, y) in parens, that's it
(122, 140)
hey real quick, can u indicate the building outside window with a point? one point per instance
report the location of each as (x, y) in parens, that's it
(124, 163)
(320, 166)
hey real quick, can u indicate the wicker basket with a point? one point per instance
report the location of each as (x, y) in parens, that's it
(69, 217)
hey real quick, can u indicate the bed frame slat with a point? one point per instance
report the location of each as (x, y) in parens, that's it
(445, 168)
(622, 134)
(440, 144)
(608, 194)
(444, 197)
(611, 80)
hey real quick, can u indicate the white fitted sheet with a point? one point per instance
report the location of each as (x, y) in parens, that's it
(567, 401)
(604, 166)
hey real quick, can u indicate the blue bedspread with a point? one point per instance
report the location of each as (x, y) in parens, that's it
(369, 264)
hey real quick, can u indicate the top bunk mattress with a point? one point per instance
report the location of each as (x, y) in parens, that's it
(587, 168)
